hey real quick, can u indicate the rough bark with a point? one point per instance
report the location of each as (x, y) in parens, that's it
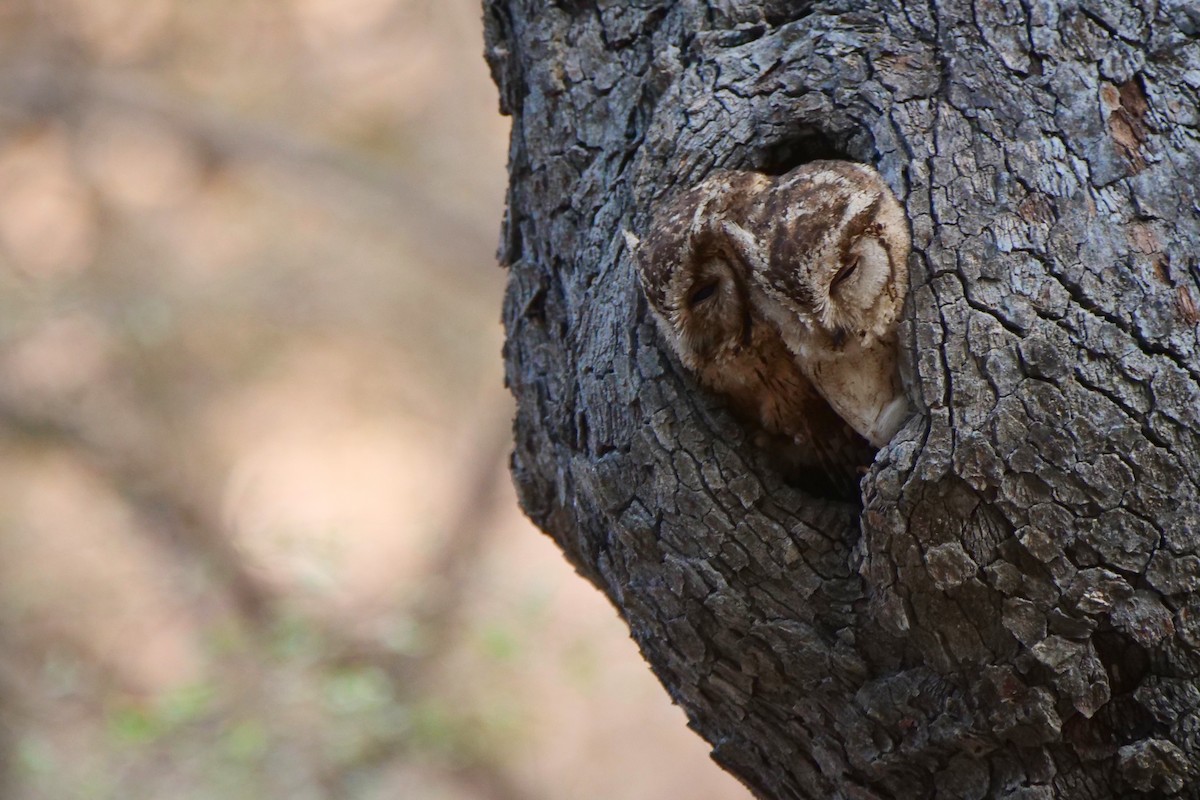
(1013, 610)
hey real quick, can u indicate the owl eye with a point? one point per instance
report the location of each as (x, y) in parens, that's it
(844, 273)
(702, 293)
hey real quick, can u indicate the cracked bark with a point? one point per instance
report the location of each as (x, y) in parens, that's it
(1013, 610)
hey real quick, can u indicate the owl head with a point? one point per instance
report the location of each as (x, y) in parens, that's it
(831, 246)
(695, 280)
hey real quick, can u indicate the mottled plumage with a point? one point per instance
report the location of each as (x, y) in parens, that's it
(783, 295)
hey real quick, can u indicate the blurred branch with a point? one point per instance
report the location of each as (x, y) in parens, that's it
(439, 612)
(134, 456)
(441, 234)
(144, 480)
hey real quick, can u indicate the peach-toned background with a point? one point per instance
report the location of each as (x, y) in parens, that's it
(256, 535)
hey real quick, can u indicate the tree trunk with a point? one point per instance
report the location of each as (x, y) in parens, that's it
(1012, 611)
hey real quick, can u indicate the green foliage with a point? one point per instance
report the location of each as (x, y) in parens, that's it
(246, 742)
(357, 690)
(138, 723)
(35, 757)
(500, 643)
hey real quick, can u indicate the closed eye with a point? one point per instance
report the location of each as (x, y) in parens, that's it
(702, 293)
(844, 273)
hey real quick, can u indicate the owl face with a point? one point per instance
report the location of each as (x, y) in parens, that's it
(852, 280)
(837, 254)
(816, 258)
(695, 282)
(709, 317)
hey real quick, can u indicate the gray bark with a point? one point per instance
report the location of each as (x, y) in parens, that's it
(1013, 610)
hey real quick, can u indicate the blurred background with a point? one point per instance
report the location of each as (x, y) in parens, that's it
(257, 538)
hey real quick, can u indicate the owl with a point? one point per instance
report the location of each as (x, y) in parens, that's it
(782, 294)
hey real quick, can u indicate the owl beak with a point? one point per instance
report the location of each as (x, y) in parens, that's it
(862, 384)
(889, 421)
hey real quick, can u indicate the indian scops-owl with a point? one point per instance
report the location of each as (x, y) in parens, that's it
(782, 293)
